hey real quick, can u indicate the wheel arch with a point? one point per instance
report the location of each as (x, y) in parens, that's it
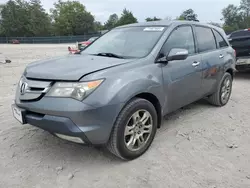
(231, 72)
(156, 103)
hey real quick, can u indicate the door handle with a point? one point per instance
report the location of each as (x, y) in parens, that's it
(195, 64)
(221, 56)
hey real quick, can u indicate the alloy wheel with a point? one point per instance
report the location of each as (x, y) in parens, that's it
(138, 130)
(226, 90)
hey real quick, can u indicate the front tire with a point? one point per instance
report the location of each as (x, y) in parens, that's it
(223, 93)
(134, 130)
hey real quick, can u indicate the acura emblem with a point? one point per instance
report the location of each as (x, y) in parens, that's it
(23, 88)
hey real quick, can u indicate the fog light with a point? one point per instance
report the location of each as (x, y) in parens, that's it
(70, 138)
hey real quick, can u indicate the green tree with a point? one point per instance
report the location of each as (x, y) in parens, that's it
(72, 18)
(233, 18)
(1, 8)
(152, 19)
(98, 26)
(15, 18)
(245, 11)
(228, 29)
(127, 17)
(39, 20)
(22, 18)
(111, 22)
(1, 29)
(188, 15)
(245, 7)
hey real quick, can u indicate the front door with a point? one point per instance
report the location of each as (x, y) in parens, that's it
(182, 79)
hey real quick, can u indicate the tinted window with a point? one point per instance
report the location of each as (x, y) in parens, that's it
(181, 37)
(220, 40)
(127, 42)
(242, 33)
(205, 39)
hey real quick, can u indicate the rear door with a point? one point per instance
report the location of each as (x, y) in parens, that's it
(212, 58)
(182, 78)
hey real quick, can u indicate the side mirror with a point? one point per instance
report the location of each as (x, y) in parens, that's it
(177, 54)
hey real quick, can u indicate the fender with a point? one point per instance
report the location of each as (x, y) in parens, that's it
(130, 90)
(146, 77)
(227, 66)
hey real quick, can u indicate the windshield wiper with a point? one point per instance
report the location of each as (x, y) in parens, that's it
(107, 54)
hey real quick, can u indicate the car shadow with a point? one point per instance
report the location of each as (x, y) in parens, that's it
(171, 119)
(39, 145)
(242, 75)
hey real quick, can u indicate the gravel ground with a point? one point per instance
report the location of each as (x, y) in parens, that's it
(198, 146)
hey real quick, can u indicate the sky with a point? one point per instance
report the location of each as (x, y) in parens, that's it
(207, 10)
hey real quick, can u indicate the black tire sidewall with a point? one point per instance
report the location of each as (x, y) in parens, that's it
(126, 114)
(226, 75)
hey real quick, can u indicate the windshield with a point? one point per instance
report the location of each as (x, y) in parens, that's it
(131, 42)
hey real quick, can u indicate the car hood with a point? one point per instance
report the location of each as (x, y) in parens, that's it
(70, 67)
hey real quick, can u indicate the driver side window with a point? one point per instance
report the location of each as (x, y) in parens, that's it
(181, 37)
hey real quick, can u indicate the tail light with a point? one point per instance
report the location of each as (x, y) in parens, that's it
(235, 55)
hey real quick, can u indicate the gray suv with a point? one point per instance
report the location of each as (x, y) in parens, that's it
(117, 90)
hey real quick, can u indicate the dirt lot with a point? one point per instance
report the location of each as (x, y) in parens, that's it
(199, 146)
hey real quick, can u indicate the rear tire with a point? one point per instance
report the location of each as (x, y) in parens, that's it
(223, 92)
(134, 130)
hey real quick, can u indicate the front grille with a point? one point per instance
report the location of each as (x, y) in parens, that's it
(29, 89)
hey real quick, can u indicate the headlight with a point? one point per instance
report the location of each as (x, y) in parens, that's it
(78, 90)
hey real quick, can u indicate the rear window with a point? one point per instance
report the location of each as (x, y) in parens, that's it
(242, 33)
(205, 37)
(220, 40)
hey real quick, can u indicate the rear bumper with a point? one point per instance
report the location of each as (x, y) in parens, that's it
(72, 118)
(243, 63)
(243, 67)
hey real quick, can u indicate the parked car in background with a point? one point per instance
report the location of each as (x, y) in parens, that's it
(117, 90)
(15, 41)
(240, 41)
(81, 45)
(73, 50)
(84, 44)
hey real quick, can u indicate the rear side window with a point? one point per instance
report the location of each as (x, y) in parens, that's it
(220, 40)
(181, 37)
(205, 39)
